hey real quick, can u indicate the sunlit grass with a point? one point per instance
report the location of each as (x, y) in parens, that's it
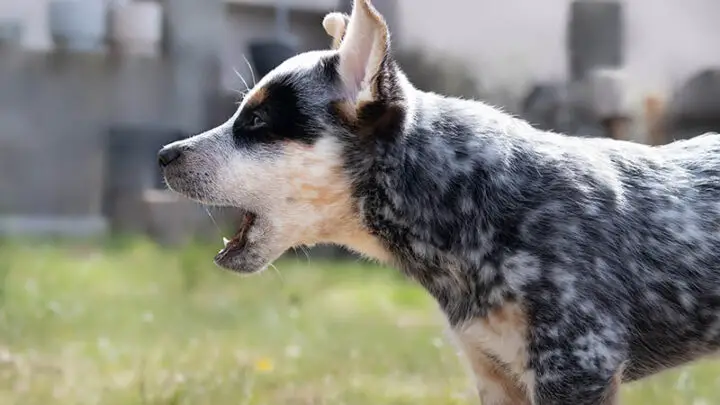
(137, 324)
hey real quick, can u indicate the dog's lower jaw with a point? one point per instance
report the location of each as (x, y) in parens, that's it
(253, 258)
(253, 248)
(241, 263)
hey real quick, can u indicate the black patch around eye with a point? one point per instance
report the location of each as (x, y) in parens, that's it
(283, 114)
(246, 131)
(257, 121)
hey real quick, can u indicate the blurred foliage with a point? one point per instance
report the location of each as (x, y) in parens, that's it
(130, 322)
(4, 273)
(192, 258)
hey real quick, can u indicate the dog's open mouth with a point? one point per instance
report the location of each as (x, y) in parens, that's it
(235, 246)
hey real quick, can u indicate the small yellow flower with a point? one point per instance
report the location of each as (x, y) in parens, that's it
(264, 365)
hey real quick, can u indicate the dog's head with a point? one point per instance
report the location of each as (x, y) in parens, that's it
(281, 157)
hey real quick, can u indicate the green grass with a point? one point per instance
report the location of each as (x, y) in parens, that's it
(137, 324)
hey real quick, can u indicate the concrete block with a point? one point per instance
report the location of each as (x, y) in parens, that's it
(699, 96)
(607, 93)
(695, 107)
(78, 25)
(546, 107)
(136, 28)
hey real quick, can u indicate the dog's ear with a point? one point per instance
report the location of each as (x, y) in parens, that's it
(335, 25)
(363, 49)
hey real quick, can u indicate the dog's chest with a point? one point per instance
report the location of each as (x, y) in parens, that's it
(496, 341)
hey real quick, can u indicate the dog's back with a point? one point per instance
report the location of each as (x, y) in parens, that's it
(671, 252)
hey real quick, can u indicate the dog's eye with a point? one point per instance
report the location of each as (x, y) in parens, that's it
(256, 121)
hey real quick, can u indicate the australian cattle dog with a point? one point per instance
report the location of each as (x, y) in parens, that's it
(565, 265)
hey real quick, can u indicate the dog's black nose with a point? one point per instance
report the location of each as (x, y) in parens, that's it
(168, 154)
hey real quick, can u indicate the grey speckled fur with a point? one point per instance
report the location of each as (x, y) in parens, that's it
(611, 249)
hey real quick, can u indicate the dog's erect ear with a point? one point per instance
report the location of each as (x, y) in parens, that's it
(363, 49)
(335, 25)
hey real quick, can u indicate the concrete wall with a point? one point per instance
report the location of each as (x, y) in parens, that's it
(50, 152)
(56, 109)
(55, 112)
(245, 23)
(33, 14)
(512, 43)
(509, 43)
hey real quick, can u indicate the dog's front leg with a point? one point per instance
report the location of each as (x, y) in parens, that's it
(495, 384)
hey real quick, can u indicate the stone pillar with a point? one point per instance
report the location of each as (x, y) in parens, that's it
(53, 163)
(595, 36)
(595, 39)
(194, 32)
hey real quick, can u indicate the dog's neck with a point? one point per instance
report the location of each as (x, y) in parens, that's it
(436, 193)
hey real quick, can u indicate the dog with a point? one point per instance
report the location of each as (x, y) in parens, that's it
(565, 266)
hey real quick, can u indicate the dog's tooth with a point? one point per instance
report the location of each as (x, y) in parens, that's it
(225, 241)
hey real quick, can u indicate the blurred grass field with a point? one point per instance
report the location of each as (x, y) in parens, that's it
(138, 324)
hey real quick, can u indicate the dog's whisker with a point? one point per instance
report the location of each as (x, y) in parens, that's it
(277, 271)
(252, 71)
(297, 256)
(242, 78)
(212, 219)
(305, 250)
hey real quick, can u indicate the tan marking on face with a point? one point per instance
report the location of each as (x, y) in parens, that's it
(257, 97)
(319, 202)
(502, 334)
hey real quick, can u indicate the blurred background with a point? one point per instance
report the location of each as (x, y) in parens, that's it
(107, 290)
